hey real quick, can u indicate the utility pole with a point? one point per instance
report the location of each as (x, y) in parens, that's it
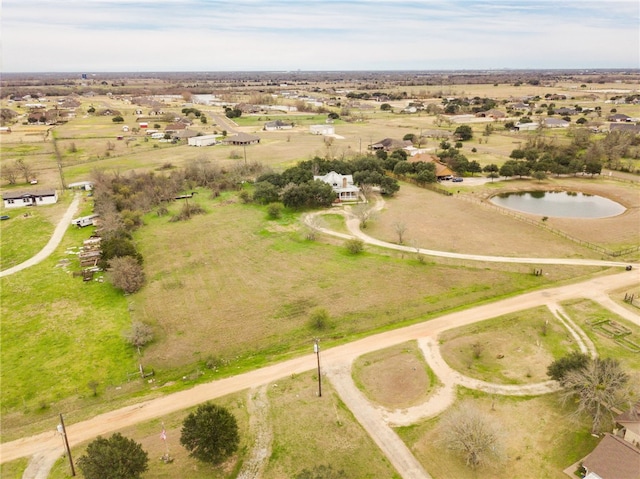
(316, 349)
(63, 431)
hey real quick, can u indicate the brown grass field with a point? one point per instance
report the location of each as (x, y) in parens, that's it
(234, 271)
(396, 377)
(449, 223)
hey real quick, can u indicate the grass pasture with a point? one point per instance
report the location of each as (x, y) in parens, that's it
(232, 269)
(511, 349)
(538, 435)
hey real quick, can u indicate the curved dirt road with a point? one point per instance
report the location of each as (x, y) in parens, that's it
(53, 243)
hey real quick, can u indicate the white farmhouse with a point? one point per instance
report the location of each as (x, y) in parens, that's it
(342, 185)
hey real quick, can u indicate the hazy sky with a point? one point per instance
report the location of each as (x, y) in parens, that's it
(250, 35)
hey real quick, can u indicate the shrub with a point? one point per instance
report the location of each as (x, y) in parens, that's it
(274, 210)
(354, 246)
(319, 319)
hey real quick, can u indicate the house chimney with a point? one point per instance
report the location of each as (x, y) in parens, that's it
(344, 182)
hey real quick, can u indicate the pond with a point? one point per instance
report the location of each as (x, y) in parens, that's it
(562, 204)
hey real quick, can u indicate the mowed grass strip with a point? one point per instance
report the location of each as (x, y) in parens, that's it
(396, 377)
(539, 435)
(510, 349)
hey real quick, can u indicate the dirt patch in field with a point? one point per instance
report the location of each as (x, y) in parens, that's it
(394, 378)
(450, 223)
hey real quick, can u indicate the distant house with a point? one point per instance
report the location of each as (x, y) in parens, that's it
(29, 198)
(625, 127)
(322, 130)
(342, 185)
(204, 140)
(547, 122)
(389, 144)
(495, 114)
(442, 170)
(277, 125)
(566, 111)
(520, 106)
(555, 123)
(618, 117)
(242, 139)
(173, 127)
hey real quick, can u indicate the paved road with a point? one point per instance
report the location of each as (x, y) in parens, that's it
(53, 243)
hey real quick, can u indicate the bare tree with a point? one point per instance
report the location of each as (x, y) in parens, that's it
(401, 228)
(126, 273)
(364, 213)
(140, 335)
(24, 169)
(10, 173)
(597, 389)
(471, 433)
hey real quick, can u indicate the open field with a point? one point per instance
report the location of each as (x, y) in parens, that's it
(514, 349)
(450, 223)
